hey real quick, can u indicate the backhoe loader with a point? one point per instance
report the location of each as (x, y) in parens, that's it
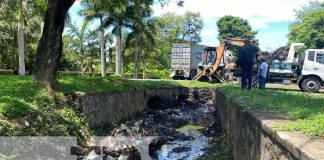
(212, 72)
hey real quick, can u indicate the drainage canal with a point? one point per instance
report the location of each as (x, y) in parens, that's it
(181, 132)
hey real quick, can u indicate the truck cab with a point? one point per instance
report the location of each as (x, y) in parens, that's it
(311, 77)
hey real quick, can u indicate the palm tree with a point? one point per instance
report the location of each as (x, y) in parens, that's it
(80, 36)
(123, 13)
(94, 10)
(118, 14)
(141, 36)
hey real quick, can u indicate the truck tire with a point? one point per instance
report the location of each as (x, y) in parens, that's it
(311, 84)
(300, 85)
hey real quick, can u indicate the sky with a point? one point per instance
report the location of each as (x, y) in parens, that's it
(270, 18)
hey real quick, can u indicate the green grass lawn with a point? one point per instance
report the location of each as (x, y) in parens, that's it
(71, 84)
(26, 109)
(306, 108)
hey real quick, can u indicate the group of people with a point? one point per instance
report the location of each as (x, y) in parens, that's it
(246, 59)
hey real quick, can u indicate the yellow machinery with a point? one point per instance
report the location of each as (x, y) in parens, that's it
(217, 60)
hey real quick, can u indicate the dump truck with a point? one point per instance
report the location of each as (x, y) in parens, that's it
(185, 58)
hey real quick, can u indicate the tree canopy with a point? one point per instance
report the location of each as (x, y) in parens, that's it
(9, 15)
(183, 28)
(234, 27)
(114, 14)
(308, 27)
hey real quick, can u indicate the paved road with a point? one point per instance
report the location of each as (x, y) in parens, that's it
(287, 87)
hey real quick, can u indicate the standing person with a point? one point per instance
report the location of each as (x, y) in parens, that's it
(246, 60)
(262, 73)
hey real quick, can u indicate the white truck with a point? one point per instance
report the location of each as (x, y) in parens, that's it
(185, 58)
(311, 78)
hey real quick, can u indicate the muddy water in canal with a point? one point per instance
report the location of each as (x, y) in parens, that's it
(182, 132)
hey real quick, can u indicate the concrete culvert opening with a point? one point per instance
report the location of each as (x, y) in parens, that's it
(155, 103)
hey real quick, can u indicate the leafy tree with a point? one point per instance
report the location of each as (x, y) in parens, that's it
(70, 55)
(313, 5)
(32, 36)
(166, 2)
(49, 49)
(308, 26)
(122, 13)
(8, 45)
(83, 42)
(17, 9)
(12, 12)
(169, 27)
(309, 30)
(95, 10)
(141, 35)
(191, 26)
(185, 28)
(234, 27)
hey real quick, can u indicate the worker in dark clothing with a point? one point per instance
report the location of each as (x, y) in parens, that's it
(246, 60)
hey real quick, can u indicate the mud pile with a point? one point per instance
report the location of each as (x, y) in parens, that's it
(278, 54)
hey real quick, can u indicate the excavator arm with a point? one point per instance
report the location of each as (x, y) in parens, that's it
(219, 54)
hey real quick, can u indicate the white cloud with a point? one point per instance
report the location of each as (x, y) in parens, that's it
(77, 2)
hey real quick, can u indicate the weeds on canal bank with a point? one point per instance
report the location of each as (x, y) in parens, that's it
(27, 110)
(219, 150)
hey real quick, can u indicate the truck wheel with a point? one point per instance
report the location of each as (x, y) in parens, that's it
(300, 85)
(311, 84)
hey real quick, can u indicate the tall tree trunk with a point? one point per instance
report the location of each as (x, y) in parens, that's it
(42, 27)
(103, 53)
(81, 66)
(102, 50)
(108, 55)
(136, 58)
(49, 50)
(118, 48)
(20, 37)
(144, 68)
